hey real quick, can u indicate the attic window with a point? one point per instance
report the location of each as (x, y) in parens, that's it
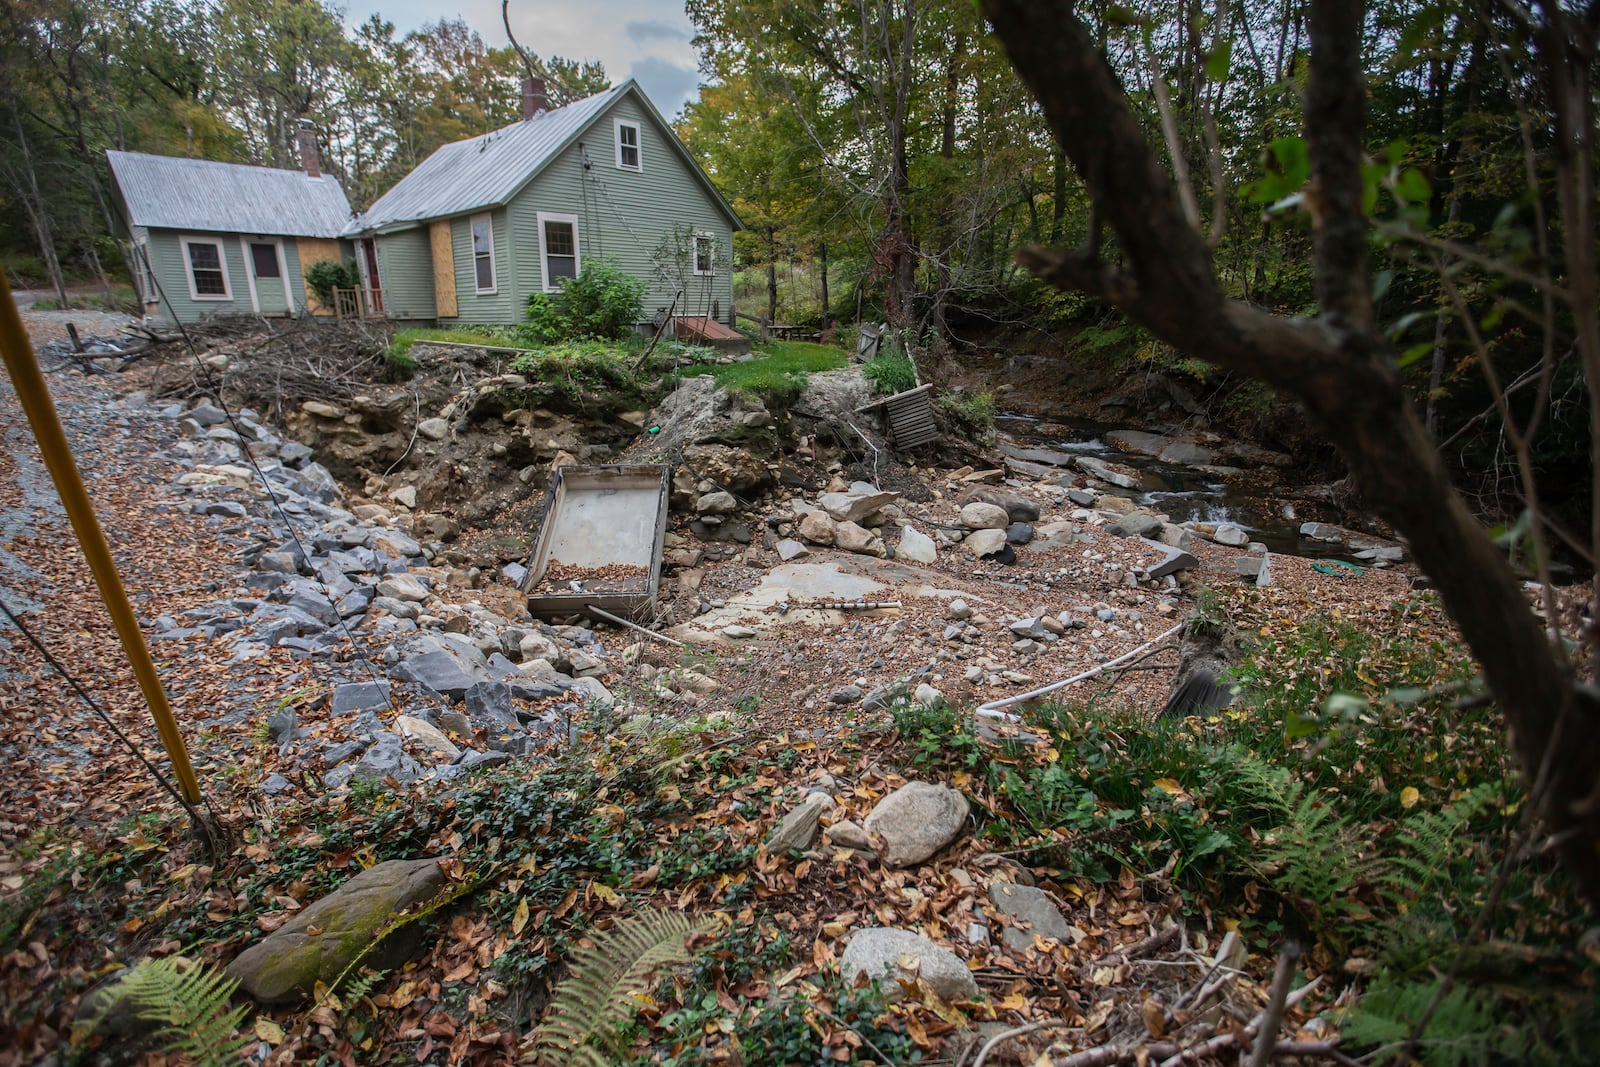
(627, 145)
(483, 252)
(208, 271)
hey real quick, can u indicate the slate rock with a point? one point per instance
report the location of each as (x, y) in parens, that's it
(917, 820)
(427, 735)
(790, 549)
(883, 697)
(359, 696)
(849, 694)
(853, 538)
(797, 830)
(386, 758)
(1136, 524)
(880, 951)
(286, 966)
(1117, 474)
(404, 587)
(472, 758)
(1033, 626)
(489, 704)
(1173, 560)
(853, 507)
(1029, 911)
(1019, 533)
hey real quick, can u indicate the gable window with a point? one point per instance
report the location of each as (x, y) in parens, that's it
(558, 248)
(207, 270)
(705, 254)
(627, 144)
(483, 252)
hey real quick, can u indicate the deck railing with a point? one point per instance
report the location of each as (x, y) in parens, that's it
(360, 303)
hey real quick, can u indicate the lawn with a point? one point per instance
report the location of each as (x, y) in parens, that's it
(779, 367)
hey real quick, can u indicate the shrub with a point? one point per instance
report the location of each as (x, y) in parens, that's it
(326, 275)
(602, 303)
(890, 374)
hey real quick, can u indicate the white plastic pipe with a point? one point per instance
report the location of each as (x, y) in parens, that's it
(992, 710)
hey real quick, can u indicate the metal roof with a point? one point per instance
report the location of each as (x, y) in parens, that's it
(199, 194)
(487, 171)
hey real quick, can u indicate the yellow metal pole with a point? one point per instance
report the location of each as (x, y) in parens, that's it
(41, 410)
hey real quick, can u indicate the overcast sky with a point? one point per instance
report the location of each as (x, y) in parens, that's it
(643, 39)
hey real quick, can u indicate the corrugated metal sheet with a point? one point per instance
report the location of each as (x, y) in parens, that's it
(483, 171)
(198, 194)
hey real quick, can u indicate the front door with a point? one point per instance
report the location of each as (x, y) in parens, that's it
(268, 277)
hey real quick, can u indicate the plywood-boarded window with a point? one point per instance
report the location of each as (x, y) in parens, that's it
(444, 269)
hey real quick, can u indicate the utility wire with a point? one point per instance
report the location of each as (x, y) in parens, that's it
(105, 717)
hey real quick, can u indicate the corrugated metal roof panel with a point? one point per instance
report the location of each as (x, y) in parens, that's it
(199, 194)
(483, 171)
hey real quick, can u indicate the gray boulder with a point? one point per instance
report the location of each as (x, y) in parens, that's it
(914, 547)
(323, 939)
(917, 820)
(1029, 911)
(1018, 507)
(888, 955)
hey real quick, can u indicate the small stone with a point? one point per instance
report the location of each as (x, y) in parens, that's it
(720, 502)
(1233, 536)
(790, 549)
(434, 429)
(927, 695)
(985, 542)
(848, 834)
(427, 735)
(404, 587)
(959, 609)
(849, 694)
(405, 496)
(737, 632)
(817, 527)
(1019, 533)
(1031, 911)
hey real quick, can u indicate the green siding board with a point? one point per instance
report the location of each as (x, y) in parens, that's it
(405, 271)
(166, 256)
(504, 305)
(625, 214)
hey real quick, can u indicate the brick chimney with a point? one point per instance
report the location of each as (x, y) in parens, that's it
(534, 99)
(310, 158)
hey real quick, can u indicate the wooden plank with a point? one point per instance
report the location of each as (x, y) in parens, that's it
(313, 250)
(444, 269)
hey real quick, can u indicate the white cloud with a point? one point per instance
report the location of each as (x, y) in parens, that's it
(652, 44)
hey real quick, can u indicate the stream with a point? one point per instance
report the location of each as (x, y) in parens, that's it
(1184, 494)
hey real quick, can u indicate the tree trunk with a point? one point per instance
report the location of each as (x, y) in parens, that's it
(38, 211)
(822, 266)
(772, 276)
(1337, 364)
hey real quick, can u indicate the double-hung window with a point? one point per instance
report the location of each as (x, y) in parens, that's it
(558, 248)
(207, 268)
(705, 254)
(627, 145)
(483, 252)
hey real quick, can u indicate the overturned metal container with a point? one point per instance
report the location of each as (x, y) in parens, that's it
(600, 545)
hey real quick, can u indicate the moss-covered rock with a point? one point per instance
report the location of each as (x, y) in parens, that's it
(320, 942)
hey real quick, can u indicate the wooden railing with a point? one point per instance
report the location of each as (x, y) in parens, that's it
(360, 303)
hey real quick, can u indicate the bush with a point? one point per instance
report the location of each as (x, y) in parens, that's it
(890, 374)
(600, 304)
(326, 275)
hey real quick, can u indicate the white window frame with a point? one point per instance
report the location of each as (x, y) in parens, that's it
(544, 256)
(147, 272)
(188, 267)
(694, 251)
(494, 268)
(618, 126)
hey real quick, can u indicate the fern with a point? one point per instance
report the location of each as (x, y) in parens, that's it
(1312, 856)
(1429, 840)
(191, 1005)
(597, 998)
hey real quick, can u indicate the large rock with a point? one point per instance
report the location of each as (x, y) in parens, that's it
(1188, 454)
(404, 587)
(889, 955)
(1229, 534)
(1149, 444)
(798, 829)
(736, 469)
(1029, 911)
(287, 965)
(1138, 523)
(1117, 474)
(1018, 507)
(439, 671)
(853, 538)
(817, 527)
(917, 820)
(915, 546)
(979, 515)
(985, 542)
(853, 507)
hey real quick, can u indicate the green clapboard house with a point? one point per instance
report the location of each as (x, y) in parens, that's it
(483, 223)
(210, 238)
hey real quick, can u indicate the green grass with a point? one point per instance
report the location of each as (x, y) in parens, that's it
(122, 298)
(501, 337)
(779, 368)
